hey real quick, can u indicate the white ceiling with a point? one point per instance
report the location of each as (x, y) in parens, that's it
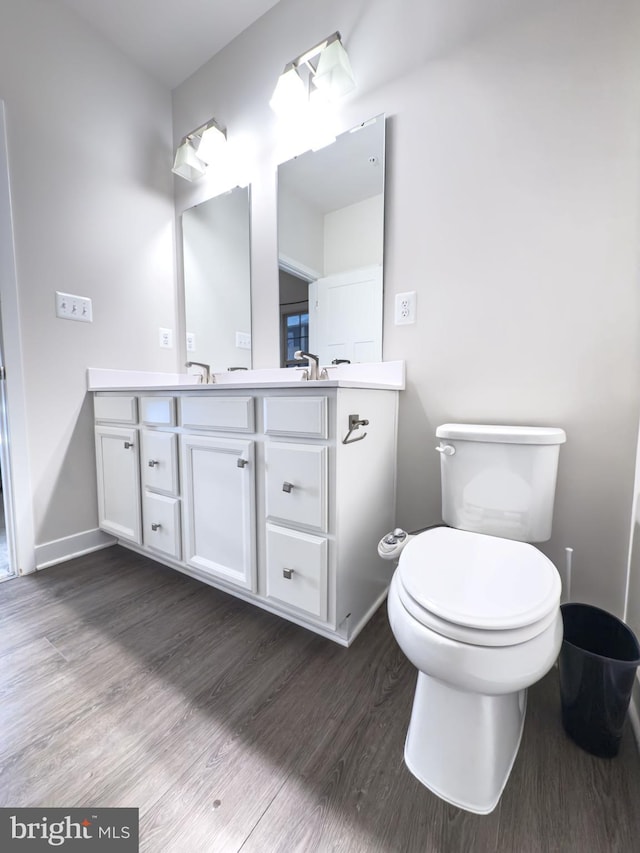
(350, 170)
(170, 38)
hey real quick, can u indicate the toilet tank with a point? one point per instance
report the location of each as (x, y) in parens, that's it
(499, 480)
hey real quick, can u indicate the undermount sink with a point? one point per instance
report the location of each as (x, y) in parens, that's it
(260, 376)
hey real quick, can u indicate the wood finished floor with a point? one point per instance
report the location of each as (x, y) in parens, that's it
(124, 683)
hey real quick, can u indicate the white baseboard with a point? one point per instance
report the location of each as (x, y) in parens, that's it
(60, 550)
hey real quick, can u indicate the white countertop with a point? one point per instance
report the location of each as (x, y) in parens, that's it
(386, 375)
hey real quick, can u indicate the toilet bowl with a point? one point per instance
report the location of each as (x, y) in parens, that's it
(479, 617)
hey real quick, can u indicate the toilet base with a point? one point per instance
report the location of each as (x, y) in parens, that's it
(462, 745)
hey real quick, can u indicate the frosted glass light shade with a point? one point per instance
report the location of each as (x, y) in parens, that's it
(290, 93)
(334, 76)
(211, 144)
(187, 163)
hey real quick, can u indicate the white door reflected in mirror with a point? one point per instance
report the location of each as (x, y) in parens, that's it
(345, 316)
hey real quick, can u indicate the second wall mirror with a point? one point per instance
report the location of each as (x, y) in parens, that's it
(330, 248)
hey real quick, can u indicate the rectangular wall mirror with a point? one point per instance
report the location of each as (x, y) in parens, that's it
(217, 280)
(330, 248)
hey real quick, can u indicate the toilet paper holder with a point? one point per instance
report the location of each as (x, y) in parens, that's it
(355, 422)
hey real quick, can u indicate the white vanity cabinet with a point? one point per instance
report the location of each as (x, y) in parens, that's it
(276, 495)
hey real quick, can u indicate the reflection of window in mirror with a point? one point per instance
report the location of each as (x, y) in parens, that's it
(296, 333)
(294, 317)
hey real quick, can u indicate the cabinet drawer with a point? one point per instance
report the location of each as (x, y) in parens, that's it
(159, 461)
(296, 484)
(304, 416)
(297, 570)
(121, 409)
(224, 413)
(158, 411)
(161, 524)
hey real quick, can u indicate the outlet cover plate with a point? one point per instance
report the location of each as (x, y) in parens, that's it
(166, 338)
(405, 309)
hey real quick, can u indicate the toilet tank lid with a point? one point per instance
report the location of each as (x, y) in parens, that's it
(502, 434)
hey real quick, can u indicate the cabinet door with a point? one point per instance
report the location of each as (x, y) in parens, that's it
(159, 462)
(296, 484)
(118, 471)
(219, 507)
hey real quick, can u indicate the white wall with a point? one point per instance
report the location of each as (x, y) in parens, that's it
(511, 208)
(354, 236)
(300, 233)
(345, 239)
(89, 149)
(632, 612)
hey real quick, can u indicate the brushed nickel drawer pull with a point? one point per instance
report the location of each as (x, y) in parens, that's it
(128, 444)
(242, 462)
(153, 462)
(156, 526)
(287, 573)
(287, 487)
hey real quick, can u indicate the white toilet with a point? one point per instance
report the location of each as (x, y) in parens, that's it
(477, 610)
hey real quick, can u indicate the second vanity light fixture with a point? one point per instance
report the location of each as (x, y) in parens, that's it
(199, 149)
(326, 72)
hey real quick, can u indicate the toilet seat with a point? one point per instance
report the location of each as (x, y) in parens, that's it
(478, 589)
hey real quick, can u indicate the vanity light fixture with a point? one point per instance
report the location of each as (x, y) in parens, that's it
(326, 72)
(198, 149)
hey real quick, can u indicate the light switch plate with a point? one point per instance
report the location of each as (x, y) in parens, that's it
(72, 307)
(243, 340)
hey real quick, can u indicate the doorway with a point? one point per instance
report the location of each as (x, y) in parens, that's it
(294, 317)
(17, 552)
(6, 568)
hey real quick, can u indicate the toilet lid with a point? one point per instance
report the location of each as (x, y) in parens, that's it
(479, 581)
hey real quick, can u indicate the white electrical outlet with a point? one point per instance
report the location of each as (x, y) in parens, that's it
(166, 338)
(70, 307)
(191, 342)
(243, 340)
(405, 308)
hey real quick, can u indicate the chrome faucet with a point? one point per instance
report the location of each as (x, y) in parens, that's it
(314, 371)
(207, 376)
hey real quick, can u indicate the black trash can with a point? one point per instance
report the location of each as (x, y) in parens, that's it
(598, 662)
